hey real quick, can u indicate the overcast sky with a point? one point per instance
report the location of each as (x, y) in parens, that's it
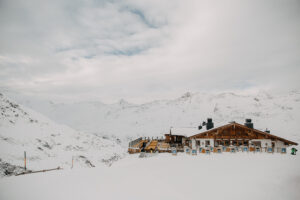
(143, 50)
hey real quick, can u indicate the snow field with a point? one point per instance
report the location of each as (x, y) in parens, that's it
(163, 176)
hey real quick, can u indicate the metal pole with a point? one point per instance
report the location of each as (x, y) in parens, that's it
(25, 160)
(72, 162)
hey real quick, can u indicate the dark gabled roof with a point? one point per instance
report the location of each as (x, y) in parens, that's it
(245, 127)
(168, 134)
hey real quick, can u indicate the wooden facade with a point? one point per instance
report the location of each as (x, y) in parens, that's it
(232, 137)
(239, 134)
(174, 139)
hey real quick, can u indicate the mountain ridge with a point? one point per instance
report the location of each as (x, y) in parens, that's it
(278, 112)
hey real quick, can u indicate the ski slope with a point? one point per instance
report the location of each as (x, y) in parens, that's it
(226, 176)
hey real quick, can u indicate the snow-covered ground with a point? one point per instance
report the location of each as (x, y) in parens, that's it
(48, 144)
(97, 133)
(216, 176)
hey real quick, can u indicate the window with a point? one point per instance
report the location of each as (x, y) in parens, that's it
(226, 142)
(198, 143)
(256, 143)
(207, 143)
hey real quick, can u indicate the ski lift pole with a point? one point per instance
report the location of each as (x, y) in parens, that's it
(25, 160)
(72, 162)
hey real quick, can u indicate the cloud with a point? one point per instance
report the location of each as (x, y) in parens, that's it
(142, 50)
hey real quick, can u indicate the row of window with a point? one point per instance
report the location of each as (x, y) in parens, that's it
(194, 151)
(223, 143)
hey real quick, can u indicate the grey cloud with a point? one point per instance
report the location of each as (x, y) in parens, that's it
(140, 50)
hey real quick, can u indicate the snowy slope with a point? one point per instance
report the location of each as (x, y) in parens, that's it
(278, 112)
(48, 144)
(246, 176)
(160, 176)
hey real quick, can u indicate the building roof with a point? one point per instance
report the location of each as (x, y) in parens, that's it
(184, 131)
(267, 135)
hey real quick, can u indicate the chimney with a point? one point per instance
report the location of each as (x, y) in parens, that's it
(209, 124)
(249, 123)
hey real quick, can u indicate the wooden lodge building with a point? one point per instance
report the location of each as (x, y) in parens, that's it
(232, 137)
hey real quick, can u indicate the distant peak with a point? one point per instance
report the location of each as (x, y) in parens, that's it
(186, 95)
(264, 94)
(224, 94)
(123, 101)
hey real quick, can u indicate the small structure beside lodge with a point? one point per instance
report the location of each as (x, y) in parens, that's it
(232, 137)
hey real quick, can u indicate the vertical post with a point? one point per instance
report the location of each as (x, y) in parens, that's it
(72, 162)
(25, 160)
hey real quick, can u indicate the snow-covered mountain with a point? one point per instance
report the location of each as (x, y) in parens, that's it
(23, 129)
(46, 143)
(278, 112)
